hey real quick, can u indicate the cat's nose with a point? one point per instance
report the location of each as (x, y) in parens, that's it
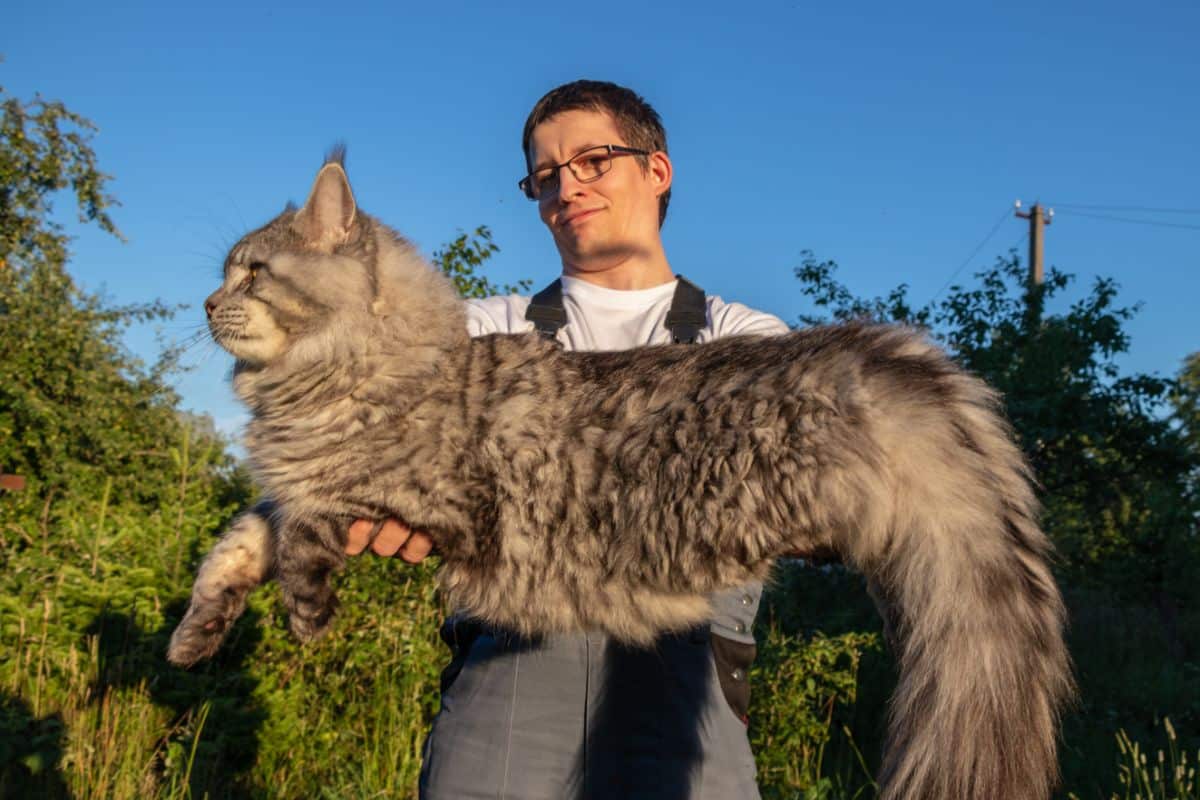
(210, 305)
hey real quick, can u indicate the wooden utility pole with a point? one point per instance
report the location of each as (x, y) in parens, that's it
(1038, 218)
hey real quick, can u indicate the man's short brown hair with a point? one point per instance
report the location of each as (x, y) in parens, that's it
(636, 120)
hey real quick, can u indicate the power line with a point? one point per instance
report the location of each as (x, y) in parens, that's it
(999, 221)
(1132, 221)
(1138, 209)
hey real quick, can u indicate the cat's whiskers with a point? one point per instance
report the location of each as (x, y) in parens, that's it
(195, 338)
(200, 347)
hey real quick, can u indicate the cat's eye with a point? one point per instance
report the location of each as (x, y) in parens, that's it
(252, 270)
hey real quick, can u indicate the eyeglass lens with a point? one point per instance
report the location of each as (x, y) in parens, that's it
(587, 166)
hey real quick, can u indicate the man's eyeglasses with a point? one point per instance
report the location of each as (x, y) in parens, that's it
(586, 166)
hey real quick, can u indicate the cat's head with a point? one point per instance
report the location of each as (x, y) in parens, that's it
(321, 278)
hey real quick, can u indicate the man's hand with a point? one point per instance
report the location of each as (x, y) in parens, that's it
(395, 538)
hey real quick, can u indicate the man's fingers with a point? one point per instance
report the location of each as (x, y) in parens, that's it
(388, 538)
(359, 536)
(416, 548)
(391, 538)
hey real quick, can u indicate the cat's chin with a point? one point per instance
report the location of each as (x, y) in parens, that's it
(255, 352)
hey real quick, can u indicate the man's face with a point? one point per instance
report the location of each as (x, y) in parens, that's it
(602, 223)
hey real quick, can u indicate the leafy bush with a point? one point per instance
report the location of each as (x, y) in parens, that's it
(1116, 472)
(800, 686)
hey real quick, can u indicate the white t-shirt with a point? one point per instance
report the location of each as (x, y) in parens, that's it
(613, 319)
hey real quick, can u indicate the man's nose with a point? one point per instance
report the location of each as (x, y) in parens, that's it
(568, 184)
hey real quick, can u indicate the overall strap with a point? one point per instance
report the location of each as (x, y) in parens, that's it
(687, 317)
(546, 310)
(689, 312)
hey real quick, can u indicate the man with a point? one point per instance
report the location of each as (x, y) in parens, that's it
(580, 715)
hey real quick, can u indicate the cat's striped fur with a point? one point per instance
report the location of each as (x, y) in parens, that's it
(612, 491)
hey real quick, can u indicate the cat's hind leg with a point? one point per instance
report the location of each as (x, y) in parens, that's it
(241, 560)
(309, 552)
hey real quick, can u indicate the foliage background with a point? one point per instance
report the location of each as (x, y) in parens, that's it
(125, 492)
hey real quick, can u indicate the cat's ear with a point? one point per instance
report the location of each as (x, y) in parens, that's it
(329, 212)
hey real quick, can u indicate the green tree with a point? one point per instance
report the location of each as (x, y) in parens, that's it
(1117, 480)
(1113, 469)
(44, 149)
(77, 410)
(122, 486)
(463, 259)
(1186, 399)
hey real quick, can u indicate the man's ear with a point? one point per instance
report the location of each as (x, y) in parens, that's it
(329, 211)
(660, 171)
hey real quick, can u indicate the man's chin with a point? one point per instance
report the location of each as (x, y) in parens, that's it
(591, 251)
(572, 245)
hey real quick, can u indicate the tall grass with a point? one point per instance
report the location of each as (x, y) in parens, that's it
(78, 739)
(92, 711)
(90, 588)
(107, 718)
(1168, 774)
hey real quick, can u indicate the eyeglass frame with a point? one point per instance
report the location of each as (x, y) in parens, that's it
(526, 183)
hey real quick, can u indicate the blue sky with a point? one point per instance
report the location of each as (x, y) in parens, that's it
(889, 137)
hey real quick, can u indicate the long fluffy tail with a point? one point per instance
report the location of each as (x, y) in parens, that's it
(958, 562)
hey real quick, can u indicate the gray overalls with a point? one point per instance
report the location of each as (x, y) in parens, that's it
(581, 716)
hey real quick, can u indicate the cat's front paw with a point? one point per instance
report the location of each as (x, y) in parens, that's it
(204, 626)
(239, 562)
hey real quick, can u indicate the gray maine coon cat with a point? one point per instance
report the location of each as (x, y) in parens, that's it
(613, 491)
